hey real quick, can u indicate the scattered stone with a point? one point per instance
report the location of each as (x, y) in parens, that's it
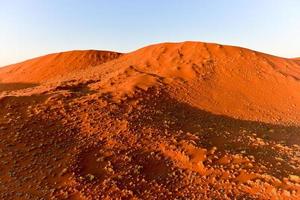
(90, 177)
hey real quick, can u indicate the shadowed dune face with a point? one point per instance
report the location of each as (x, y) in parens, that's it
(15, 86)
(56, 65)
(250, 138)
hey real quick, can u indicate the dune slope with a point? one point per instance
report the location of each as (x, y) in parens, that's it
(50, 66)
(221, 79)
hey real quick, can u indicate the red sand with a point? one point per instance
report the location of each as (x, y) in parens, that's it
(220, 79)
(54, 65)
(175, 120)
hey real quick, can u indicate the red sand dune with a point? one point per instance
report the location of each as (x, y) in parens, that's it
(50, 66)
(221, 79)
(169, 121)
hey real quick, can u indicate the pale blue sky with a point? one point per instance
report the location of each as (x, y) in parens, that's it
(29, 28)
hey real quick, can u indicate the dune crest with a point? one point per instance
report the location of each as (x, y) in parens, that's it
(55, 65)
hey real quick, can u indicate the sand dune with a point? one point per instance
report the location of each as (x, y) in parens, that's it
(185, 120)
(220, 79)
(54, 65)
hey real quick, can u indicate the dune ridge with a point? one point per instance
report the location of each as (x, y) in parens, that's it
(47, 67)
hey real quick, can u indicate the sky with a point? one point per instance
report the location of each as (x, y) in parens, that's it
(30, 28)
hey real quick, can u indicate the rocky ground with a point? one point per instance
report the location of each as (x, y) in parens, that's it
(67, 144)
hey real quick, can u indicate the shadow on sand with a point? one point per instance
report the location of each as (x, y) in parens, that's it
(16, 86)
(265, 142)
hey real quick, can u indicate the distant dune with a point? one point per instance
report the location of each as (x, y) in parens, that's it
(50, 66)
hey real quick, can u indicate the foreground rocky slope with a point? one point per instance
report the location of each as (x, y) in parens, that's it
(159, 123)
